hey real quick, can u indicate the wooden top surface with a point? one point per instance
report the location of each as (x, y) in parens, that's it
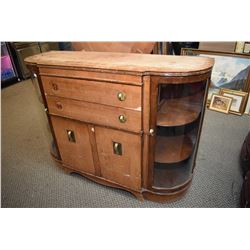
(122, 61)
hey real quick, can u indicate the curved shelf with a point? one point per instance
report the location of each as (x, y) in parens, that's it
(179, 111)
(173, 149)
(171, 177)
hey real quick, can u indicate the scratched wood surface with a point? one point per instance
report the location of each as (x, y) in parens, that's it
(123, 61)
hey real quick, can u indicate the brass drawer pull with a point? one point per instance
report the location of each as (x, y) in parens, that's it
(71, 135)
(121, 96)
(122, 118)
(54, 86)
(59, 105)
(117, 148)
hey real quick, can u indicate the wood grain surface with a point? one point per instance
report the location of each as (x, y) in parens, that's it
(124, 169)
(94, 91)
(180, 111)
(123, 61)
(76, 154)
(173, 149)
(94, 113)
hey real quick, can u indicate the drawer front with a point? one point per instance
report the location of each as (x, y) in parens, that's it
(93, 75)
(95, 113)
(74, 144)
(117, 95)
(122, 164)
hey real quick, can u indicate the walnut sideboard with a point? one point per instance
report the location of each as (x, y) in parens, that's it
(130, 121)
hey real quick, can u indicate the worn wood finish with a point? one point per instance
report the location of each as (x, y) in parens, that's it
(76, 154)
(162, 197)
(152, 121)
(94, 91)
(97, 179)
(124, 169)
(92, 139)
(94, 113)
(123, 61)
(146, 128)
(80, 91)
(92, 74)
(184, 79)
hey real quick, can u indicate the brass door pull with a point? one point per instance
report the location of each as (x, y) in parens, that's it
(71, 136)
(117, 148)
(122, 118)
(121, 96)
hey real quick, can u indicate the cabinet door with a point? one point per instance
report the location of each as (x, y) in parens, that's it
(178, 114)
(120, 156)
(74, 144)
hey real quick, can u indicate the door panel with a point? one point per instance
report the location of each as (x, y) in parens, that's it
(74, 144)
(123, 164)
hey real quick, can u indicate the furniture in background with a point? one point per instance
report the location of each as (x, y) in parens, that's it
(126, 120)
(218, 46)
(245, 165)
(177, 46)
(128, 47)
(21, 50)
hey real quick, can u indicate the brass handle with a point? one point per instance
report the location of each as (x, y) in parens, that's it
(122, 118)
(59, 105)
(71, 136)
(54, 86)
(117, 147)
(121, 96)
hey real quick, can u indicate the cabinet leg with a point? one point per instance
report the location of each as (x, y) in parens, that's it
(138, 195)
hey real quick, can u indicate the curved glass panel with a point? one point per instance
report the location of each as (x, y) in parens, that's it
(44, 119)
(179, 114)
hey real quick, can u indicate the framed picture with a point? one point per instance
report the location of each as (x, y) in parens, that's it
(231, 70)
(239, 100)
(220, 103)
(247, 109)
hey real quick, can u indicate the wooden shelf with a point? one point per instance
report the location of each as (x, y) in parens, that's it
(171, 176)
(172, 149)
(179, 111)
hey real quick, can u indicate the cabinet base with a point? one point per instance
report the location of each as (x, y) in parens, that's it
(140, 195)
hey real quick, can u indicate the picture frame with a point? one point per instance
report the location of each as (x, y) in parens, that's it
(220, 103)
(247, 109)
(239, 100)
(231, 70)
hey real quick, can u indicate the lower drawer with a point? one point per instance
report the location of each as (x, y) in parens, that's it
(95, 113)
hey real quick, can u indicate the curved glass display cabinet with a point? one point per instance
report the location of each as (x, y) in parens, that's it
(177, 110)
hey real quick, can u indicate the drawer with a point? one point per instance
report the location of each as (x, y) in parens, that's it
(95, 113)
(113, 94)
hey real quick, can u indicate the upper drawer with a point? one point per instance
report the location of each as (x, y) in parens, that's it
(117, 95)
(95, 113)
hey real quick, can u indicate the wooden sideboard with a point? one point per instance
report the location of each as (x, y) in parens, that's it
(130, 121)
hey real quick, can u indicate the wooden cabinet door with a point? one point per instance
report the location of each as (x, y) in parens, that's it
(125, 167)
(74, 144)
